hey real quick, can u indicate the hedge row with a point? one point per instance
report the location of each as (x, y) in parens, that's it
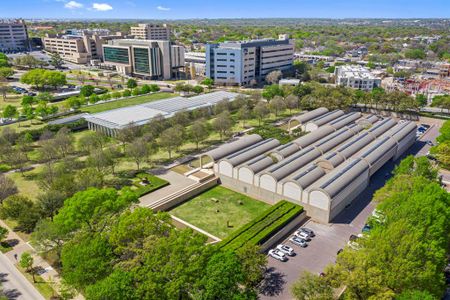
(263, 227)
(155, 183)
(74, 126)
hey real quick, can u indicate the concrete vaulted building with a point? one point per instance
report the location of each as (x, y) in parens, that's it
(323, 170)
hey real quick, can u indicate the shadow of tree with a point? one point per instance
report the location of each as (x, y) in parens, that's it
(273, 282)
(12, 294)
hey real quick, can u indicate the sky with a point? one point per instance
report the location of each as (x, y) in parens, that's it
(187, 9)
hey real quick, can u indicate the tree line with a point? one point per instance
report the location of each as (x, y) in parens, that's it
(404, 254)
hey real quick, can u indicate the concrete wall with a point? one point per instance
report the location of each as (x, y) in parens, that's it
(292, 191)
(345, 197)
(404, 144)
(280, 235)
(251, 190)
(380, 162)
(188, 194)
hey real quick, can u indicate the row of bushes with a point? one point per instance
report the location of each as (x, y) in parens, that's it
(264, 226)
(74, 126)
(154, 184)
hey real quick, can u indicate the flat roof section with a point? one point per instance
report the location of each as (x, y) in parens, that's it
(138, 115)
(142, 113)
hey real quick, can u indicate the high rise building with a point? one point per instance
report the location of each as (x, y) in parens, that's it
(247, 62)
(151, 32)
(79, 48)
(13, 36)
(153, 59)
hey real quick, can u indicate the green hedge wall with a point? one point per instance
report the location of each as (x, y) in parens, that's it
(263, 227)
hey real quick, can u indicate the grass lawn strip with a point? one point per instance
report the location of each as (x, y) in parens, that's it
(44, 288)
(126, 102)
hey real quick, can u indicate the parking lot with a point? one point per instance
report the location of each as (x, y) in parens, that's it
(322, 249)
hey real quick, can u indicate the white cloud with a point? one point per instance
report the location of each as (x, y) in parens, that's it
(162, 8)
(73, 5)
(102, 6)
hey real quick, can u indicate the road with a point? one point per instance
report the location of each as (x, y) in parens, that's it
(322, 250)
(15, 285)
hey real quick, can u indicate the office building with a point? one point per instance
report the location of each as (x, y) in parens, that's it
(13, 36)
(248, 62)
(78, 48)
(195, 64)
(356, 77)
(151, 59)
(151, 32)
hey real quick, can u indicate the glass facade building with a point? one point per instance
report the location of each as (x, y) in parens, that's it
(141, 60)
(116, 55)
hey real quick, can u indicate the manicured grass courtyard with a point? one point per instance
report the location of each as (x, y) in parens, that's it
(213, 209)
(126, 102)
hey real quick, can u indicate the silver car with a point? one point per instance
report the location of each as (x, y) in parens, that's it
(298, 241)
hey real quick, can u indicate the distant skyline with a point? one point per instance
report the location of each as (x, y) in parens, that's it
(190, 9)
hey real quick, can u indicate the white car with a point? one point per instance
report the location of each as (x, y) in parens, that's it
(298, 241)
(302, 235)
(286, 249)
(277, 254)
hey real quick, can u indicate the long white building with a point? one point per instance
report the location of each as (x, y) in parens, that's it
(324, 170)
(247, 62)
(356, 77)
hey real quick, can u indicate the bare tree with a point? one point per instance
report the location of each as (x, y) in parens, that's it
(63, 142)
(277, 104)
(292, 102)
(244, 113)
(222, 124)
(198, 132)
(171, 139)
(7, 187)
(261, 111)
(81, 77)
(273, 77)
(138, 150)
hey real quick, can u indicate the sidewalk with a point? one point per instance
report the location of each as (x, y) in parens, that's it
(48, 273)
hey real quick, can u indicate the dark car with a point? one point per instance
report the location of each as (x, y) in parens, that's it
(339, 251)
(366, 228)
(353, 237)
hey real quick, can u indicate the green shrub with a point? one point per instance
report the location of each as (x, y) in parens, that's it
(4, 168)
(264, 226)
(270, 131)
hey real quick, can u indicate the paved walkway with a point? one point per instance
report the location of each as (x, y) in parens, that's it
(15, 285)
(177, 183)
(47, 272)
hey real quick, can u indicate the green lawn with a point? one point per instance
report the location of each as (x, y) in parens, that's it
(27, 184)
(41, 285)
(126, 102)
(212, 210)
